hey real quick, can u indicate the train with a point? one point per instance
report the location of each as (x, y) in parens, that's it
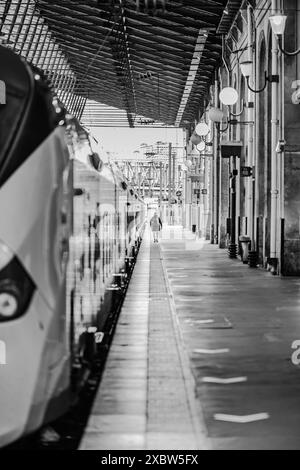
(70, 229)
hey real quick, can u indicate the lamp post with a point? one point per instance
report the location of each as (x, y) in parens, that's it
(198, 140)
(216, 166)
(229, 97)
(216, 116)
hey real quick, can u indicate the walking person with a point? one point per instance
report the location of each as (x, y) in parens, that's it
(156, 226)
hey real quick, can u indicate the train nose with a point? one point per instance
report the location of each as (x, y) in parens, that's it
(22, 379)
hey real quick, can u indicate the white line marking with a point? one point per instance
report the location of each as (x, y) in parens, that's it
(211, 351)
(209, 320)
(173, 269)
(195, 410)
(176, 276)
(187, 299)
(183, 286)
(271, 338)
(279, 309)
(217, 380)
(241, 419)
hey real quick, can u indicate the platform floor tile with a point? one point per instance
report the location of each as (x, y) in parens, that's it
(144, 400)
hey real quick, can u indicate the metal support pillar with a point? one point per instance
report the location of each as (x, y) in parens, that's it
(160, 182)
(274, 137)
(170, 182)
(232, 249)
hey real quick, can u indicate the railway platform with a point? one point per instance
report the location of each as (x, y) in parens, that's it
(202, 356)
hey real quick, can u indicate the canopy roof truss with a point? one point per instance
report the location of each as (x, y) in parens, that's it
(152, 59)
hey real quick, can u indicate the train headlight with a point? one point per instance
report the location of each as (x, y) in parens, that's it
(6, 255)
(8, 305)
(16, 286)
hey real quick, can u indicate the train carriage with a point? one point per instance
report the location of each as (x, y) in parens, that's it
(63, 243)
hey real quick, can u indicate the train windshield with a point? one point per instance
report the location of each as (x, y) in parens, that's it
(27, 117)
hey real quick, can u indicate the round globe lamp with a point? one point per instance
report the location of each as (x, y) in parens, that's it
(228, 96)
(202, 129)
(201, 146)
(216, 115)
(195, 139)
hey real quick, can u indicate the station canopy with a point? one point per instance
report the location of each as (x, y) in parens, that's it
(123, 62)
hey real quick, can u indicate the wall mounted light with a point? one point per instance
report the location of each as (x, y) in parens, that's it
(246, 69)
(200, 132)
(296, 93)
(280, 146)
(202, 129)
(277, 23)
(229, 97)
(217, 116)
(278, 27)
(188, 163)
(243, 105)
(195, 138)
(201, 146)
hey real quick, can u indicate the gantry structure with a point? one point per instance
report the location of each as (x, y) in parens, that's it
(156, 171)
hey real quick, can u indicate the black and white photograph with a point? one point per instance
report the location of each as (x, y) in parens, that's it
(149, 229)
